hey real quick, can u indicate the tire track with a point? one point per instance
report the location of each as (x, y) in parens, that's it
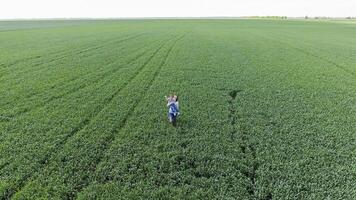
(68, 82)
(30, 69)
(80, 87)
(58, 147)
(342, 68)
(20, 61)
(308, 53)
(232, 113)
(27, 110)
(247, 147)
(24, 60)
(66, 52)
(123, 123)
(53, 98)
(305, 43)
(66, 55)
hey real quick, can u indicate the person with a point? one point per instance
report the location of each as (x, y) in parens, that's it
(173, 108)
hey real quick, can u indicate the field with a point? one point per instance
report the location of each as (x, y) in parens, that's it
(268, 109)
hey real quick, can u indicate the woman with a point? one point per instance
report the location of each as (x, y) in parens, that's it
(173, 108)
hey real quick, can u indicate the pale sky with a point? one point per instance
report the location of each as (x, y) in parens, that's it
(12, 9)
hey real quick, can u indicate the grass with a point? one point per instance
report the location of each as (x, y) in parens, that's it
(268, 109)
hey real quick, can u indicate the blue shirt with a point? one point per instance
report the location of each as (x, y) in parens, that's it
(173, 108)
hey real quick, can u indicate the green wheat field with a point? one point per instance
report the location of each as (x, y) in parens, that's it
(268, 109)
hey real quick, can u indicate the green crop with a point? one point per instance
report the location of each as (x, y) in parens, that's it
(268, 109)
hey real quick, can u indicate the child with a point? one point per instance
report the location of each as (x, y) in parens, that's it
(173, 108)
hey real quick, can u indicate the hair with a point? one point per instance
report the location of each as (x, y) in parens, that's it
(176, 97)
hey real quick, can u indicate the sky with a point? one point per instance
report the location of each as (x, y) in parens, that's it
(19, 9)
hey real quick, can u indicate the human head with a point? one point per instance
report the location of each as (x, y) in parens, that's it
(175, 97)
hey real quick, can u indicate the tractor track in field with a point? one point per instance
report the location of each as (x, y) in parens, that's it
(232, 113)
(21, 60)
(43, 162)
(239, 133)
(286, 34)
(53, 98)
(110, 71)
(94, 71)
(308, 53)
(81, 51)
(327, 61)
(66, 52)
(60, 83)
(129, 115)
(54, 53)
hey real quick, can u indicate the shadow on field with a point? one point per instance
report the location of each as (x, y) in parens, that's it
(233, 93)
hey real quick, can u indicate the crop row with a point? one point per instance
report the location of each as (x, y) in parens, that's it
(97, 135)
(39, 45)
(46, 135)
(290, 112)
(31, 72)
(66, 87)
(47, 58)
(264, 115)
(149, 159)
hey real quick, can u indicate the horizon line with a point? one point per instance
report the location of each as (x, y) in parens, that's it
(202, 17)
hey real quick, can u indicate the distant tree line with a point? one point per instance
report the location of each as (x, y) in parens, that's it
(323, 17)
(270, 17)
(306, 17)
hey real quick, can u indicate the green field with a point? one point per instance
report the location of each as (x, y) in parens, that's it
(268, 109)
